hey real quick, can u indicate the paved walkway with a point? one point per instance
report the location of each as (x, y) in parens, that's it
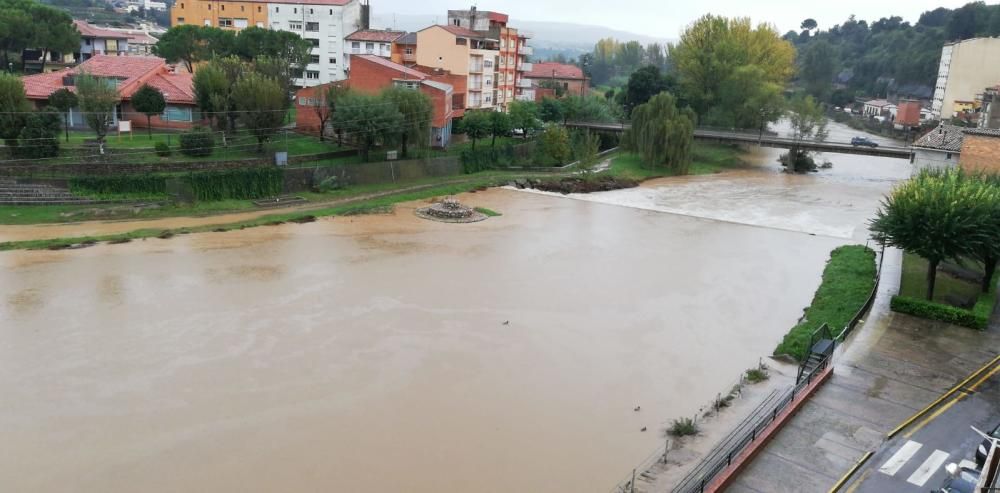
(891, 367)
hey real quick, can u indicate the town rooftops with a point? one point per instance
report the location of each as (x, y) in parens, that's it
(461, 31)
(984, 132)
(878, 103)
(131, 72)
(88, 30)
(384, 36)
(552, 70)
(407, 39)
(946, 138)
(402, 69)
(441, 86)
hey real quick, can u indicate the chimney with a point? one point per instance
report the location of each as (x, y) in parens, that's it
(366, 15)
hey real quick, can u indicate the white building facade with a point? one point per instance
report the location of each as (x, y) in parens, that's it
(324, 25)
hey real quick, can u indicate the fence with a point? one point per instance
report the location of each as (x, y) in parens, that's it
(305, 178)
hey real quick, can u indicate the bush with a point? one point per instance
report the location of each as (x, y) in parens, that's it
(682, 427)
(197, 143)
(39, 137)
(162, 149)
(119, 186)
(241, 184)
(944, 313)
(755, 375)
(329, 184)
(848, 280)
(484, 158)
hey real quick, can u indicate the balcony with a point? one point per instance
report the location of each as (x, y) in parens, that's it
(409, 58)
(525, 50)
(525, 67)
(523, 83)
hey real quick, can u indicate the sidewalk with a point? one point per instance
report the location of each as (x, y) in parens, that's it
(891, 367)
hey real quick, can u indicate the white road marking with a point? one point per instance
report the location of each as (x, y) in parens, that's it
(966, 463)
(892, 466)
(928, 468)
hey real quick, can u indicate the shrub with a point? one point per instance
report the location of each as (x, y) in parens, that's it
(682, 427)
(937, 311)
(253, 183)
(162, 149)
(330, 183)
(481, 159)
(39, 137)
(197, 143)
(756, 375)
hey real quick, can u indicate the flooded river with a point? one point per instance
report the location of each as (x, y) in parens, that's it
(387, 353)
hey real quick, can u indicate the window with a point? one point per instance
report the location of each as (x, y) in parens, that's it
(312, 74)
(295, 25)
(260, 25)
(408, 50)
(258, 8)
(313, 58)
(369, 48)
(180, 20)
(176, 114)
(948, 156)
(455, 22)
(409, 84)
(276, 10)
(331, 11)
(208, 22)
(356, 46)
(489, 81)
(333, 60)
(242, 9)
(222, 7)
(295, 10)
(488, 64)
(223, 22)
(240, 23)
(460, 41)
(312, 26)
(313, 41)
(310, 11)
(111, 45)
(209, 6)
(182, 5)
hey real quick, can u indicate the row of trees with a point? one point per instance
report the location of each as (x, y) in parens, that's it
(612, 61)
(885, 56)
(29, 24)
(192, 44)
(944, 215)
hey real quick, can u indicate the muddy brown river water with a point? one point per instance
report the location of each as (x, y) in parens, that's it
(372, 354)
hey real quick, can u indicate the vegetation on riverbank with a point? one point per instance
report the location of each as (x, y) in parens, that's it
(848, 280)
(706, 159)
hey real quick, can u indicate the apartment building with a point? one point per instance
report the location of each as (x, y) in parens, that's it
(324, 23)
(375, 42)
(966, 67)
(512, 57)
(463, 52)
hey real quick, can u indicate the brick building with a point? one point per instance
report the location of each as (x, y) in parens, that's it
(513, 51)
(980, 150)
(371, 74)
(569, 77)
(129, 73)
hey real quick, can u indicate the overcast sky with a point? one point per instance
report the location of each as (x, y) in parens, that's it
(666, 18)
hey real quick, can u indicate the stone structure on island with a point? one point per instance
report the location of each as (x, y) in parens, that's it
(450, 210)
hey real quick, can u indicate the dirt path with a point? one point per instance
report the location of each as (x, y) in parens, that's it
(93, 228)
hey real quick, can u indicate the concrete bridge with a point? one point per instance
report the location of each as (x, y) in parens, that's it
(765, 140)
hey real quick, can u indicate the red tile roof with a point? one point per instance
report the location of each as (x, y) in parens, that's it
(133, 71)
(375, 35)
(390, 65)
(550, 70)
(461, 31)
(88, 30)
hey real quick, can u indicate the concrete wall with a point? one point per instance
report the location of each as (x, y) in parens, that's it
(931, 159)
(301, 179)
(980, 153)
(335, 22)
(202, 13)
(437, 49)
(966, 69)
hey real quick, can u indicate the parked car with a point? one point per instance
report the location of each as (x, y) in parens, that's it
(984, 448)
(863, 141)
(959, 480)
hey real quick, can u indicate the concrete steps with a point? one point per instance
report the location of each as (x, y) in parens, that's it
(14, 193)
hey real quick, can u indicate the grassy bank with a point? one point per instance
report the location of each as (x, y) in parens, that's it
(705, 159)
(913, 283)
(947, 289)
(848, 280)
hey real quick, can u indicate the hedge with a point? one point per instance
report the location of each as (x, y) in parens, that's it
(977, 318)
(119, 185)
(251, 183)
(848, 280)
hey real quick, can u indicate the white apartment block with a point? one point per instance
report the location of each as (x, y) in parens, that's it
(324, 25)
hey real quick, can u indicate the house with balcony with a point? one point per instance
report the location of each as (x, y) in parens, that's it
(370, 42)
(569, 78)
(127, 74)
(404, 49)
(467, 53)
(513, 52)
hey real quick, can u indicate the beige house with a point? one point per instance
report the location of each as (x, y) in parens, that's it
(466, 53)
(966, 68)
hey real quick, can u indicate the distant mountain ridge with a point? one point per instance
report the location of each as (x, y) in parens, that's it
(549, 36)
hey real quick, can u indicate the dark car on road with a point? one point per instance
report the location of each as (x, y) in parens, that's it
(960, 480)
(863, 141)
(984, 448)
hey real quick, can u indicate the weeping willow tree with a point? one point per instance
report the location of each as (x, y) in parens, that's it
(662, 134)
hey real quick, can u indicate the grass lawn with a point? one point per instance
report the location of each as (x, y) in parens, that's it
(705, 159)
(913, 283)
(848, 280)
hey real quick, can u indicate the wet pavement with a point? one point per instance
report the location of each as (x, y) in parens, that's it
(372, 353)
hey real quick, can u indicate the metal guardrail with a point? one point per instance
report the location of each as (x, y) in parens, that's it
(746, 433)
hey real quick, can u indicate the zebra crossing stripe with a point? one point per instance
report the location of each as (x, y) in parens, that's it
(892, 466)
(928, 468)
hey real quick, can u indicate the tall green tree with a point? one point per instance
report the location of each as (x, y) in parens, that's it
(817, 68)
(643, 84)
(988, 252)
(713, 49)
(53, 31)
(324, 104)
(13, 106)
(368, 120)
(476, 125)
(149, 101)
(211, 93)
(64, 100)
(552, 148)
(662, 134)
(261, 103)
(500, 126)
(417, 112)
(182, 43)
(808, 122)
(98, 99)
(524, 116)
(39, 138)
(937, 216)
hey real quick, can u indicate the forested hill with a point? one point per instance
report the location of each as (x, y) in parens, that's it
(888, 56)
